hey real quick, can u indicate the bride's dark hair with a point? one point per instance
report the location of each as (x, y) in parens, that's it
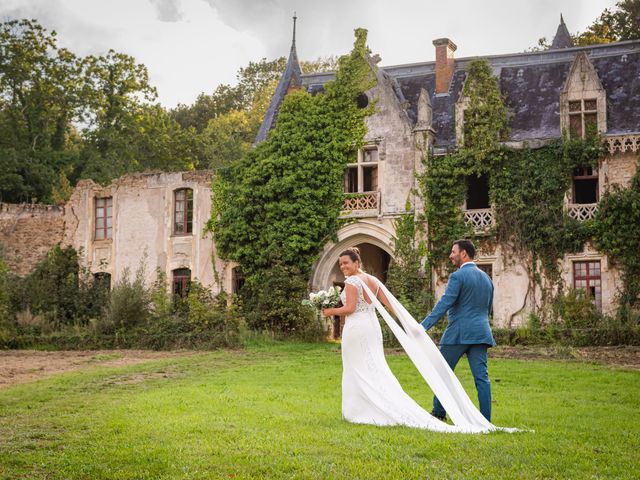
(353, 253)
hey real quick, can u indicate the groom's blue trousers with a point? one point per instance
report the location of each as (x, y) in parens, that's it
(477, 356)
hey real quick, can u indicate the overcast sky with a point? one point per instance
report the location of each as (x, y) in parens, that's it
(191, 46)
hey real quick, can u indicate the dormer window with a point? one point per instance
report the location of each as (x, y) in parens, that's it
(583, 117)
(583, 100)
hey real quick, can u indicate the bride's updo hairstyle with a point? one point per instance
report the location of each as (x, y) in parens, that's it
(353, 253)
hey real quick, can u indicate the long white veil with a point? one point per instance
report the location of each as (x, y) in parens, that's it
(431, 364)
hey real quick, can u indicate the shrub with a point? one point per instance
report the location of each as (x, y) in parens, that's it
(129, 304)
(273, 302)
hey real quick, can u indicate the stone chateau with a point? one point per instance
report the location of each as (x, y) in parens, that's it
(158, 218)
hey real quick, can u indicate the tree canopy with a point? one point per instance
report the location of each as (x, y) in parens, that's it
(613, 25)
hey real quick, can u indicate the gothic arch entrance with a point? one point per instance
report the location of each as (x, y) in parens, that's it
(375, 243)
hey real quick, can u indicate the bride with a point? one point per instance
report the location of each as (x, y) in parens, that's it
(371, 393)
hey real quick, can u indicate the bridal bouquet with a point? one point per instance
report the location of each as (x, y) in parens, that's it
(323, 299)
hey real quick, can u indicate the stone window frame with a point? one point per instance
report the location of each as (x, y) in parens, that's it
(103, 218)
(586, 176)
(579, 109)
(484, 266)
(360, 165)
(589, 279)
(183, 226)
(583, 85)
(180, 280)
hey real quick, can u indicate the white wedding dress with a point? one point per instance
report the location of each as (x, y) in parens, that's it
(371, 394)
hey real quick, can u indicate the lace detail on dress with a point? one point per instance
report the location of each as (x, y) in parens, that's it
(362, 305)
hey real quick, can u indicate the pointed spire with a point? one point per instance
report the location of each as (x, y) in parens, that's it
(563, 37)
(293, 42)
(291, 79)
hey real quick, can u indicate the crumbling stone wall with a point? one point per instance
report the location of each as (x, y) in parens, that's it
(28, 232)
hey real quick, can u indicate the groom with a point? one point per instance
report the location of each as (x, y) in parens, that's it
(468, 298)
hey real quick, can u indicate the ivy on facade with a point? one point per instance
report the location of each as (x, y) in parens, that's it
(406, 278)
(275, 209)
(617, 233)
(526, 190)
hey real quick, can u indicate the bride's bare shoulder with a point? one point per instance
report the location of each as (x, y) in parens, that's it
(370, 280)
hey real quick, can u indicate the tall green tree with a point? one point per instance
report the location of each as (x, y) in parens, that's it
(228, 119)
(613, 25)
(40, 98)
(126, 131)
(255, 80)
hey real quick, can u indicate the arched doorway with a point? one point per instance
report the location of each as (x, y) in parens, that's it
(375, 261)
(375, 242)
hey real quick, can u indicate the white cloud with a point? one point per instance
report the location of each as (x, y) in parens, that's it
(168, 10)
(191, 46)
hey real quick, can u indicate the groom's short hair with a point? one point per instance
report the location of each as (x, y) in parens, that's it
(467, 246)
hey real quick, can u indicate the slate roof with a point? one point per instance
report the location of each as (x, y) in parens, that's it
(563, 37)
(291, 78)
(532, 83)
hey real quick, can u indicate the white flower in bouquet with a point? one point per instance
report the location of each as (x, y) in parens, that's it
(323, 299)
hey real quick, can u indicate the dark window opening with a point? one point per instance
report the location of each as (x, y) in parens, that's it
(351, 180)
(486, 268)
(102, 280)
(477, 192)
(585, 191)
(362, 101)
(180, 283)
(585, 185)
(369, 179)
(183, 211)
(237, 280)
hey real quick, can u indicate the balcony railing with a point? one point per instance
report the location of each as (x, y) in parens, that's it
(582, 211)
(481, 219)
(361, 204)
(622, 143)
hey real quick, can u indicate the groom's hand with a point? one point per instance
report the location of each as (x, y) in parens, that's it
(422, 324)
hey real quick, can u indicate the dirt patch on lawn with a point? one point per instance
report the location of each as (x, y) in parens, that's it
(20, 366)
(618, 356)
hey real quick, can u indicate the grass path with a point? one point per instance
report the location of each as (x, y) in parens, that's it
(274, 412)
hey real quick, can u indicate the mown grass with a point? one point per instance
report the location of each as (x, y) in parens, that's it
(274, 412)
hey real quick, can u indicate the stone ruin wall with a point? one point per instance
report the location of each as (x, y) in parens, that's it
(28, 232)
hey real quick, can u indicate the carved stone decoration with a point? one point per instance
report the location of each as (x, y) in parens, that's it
(582, 85)
(425, 111)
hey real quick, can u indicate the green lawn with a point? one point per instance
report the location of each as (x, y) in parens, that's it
(274, 412)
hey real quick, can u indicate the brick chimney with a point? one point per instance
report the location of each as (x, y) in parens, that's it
(445, 63)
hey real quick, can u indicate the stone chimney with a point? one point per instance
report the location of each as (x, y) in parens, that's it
(445, 63)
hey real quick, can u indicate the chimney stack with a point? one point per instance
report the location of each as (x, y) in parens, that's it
(445, 63)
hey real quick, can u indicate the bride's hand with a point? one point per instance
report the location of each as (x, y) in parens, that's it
(325, 312)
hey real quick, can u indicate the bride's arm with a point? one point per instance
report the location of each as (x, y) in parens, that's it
(384, 300)
(352, 300)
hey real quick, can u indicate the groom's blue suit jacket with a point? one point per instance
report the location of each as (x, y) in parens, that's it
(468, 298)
